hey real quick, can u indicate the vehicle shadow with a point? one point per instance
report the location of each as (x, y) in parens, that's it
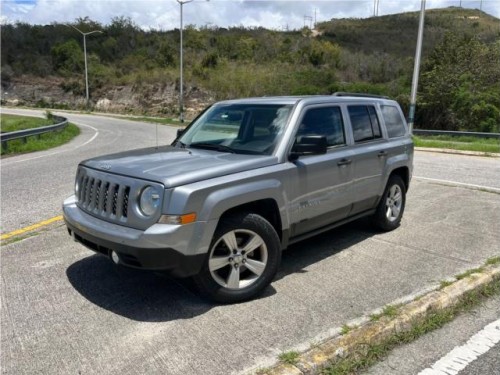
(154, 297)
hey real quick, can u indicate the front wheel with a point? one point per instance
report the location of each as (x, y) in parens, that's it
(243, 259)
(391, 206)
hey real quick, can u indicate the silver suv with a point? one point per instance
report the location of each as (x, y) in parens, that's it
(243, 181)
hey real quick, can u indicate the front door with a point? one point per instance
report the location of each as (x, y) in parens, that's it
(321, 184)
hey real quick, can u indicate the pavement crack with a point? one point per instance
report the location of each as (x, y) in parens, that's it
(416, 248)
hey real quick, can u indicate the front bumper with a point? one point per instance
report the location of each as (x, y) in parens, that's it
(179, 249)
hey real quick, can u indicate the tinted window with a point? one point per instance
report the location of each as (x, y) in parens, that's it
(393, 121)
(365, 124)
(325, 121)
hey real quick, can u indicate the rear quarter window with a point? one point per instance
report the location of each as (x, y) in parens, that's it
(393, 121)
(365, 124)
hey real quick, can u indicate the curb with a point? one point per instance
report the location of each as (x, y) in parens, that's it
(373, 332)
(457, 152)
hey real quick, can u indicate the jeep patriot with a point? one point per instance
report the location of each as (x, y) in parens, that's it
(243, 181)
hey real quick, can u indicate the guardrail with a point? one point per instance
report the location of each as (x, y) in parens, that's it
(24, 134)
(456, 134)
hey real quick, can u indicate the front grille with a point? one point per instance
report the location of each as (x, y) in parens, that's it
(103, 198)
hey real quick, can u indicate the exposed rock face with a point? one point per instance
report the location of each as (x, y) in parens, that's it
(156, 99)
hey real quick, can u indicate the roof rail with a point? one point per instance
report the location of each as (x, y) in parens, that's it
(358, 95)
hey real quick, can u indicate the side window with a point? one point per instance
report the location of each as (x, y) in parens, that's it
(325, 121)
(365, 124)
(393, 121)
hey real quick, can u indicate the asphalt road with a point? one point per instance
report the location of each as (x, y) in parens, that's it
(65, 310)
(34, 185)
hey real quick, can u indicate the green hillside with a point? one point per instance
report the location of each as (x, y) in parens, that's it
(365, 55)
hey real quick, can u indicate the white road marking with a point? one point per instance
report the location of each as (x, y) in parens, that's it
(462, 184)
(458, 359)
(58, 152)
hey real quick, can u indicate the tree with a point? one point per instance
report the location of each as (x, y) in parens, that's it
(461, 86)
(67, 57)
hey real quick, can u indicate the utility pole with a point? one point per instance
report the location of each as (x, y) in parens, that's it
(376, 4)
(85, 59)
(181, 89)
(315, 17)
(416, 69)
(310, 19)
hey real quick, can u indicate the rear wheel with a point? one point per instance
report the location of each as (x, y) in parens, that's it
(243, 259)
(391, 207)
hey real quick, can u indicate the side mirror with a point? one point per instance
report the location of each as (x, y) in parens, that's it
(309, 145)
(180, 131)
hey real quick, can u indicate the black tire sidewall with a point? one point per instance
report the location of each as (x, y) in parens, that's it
(256, 223)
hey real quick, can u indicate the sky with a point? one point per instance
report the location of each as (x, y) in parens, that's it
(164, 14)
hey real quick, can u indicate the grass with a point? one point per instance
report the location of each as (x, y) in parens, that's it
(368, 355)
(390, 311)
(289, 357)
(345, 329)
(10, 123)
(159, 120)
(443, 284)
(492, 261)
(468, 273)
(488, 145)
(34, 143)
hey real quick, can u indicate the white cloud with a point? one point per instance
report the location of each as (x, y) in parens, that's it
(164, 14)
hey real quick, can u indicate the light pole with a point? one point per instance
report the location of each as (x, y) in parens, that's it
(416, 68)
(181, 89)
(85, 59)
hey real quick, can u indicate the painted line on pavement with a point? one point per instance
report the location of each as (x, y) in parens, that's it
(30, 228)
(460, 357)
(460, 184)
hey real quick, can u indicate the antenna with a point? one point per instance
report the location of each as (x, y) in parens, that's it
(157, 135)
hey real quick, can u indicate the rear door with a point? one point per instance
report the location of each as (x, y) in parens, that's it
(370, 156)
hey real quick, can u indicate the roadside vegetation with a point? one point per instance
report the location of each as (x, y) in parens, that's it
(460, 87)
(370, 354)
(42, 142)
(487, 145)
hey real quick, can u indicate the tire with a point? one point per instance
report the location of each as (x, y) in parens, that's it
(243, 259)
(391, 206)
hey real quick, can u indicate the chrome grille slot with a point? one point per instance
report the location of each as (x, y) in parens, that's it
(114, 198)
(105, 203)
(125, 202)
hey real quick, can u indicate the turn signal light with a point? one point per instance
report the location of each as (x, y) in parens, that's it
(178, 219)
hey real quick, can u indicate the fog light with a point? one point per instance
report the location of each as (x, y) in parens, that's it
(115, 257)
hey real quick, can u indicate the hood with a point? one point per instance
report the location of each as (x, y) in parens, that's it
(173, 166)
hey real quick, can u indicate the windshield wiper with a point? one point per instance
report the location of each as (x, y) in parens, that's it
(212, 146)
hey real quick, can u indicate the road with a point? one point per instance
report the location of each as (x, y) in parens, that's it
(65, 310)
(36, 184)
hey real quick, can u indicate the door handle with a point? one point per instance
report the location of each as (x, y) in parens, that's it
(344, 162)
(381, 154)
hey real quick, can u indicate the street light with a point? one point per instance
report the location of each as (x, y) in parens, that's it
(416, 68)
(181, 90)
(85, 59)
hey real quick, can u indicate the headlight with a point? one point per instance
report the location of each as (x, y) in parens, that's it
(149, 201)
(77, 187)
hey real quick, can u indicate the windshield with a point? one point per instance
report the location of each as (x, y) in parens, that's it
(238, 128)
